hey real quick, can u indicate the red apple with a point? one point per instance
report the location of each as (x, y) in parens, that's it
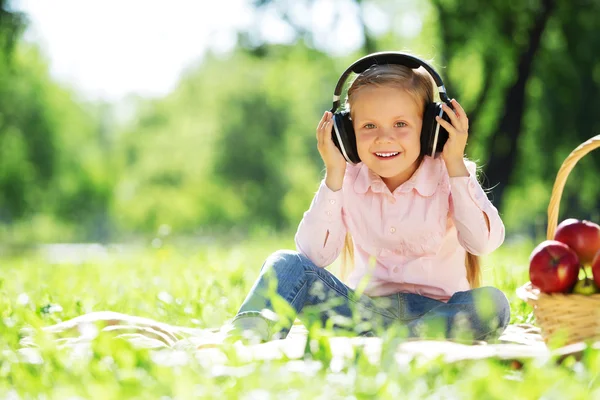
(596, 268)
(581, 236)
(553, 267)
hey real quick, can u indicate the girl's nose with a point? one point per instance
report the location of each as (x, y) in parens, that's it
(384, 136)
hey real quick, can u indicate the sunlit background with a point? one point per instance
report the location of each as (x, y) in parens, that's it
(132, 119)
(109, 49)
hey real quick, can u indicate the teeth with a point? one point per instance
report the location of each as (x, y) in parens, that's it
(386, 154)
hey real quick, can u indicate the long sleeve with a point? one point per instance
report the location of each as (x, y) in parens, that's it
(320, 235)
(468, 203)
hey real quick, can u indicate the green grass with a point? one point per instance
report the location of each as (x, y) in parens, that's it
(203, 286)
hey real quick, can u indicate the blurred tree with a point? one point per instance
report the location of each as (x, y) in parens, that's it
(297, 15)
(565, 89)
(51, 158)
(233, 145)
(11, 188)
(26, 156)
(532, 67)
(12, 24)
(51, 168)
(250, 153)
(503, 34)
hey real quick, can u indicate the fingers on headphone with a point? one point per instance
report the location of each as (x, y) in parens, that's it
(448, 126)
(451, 114)
(458, 108)
(328, 123)
(322, 121)
(460, 112)
(327, 118)
(321, 125)
(324, 127)
(457, 116)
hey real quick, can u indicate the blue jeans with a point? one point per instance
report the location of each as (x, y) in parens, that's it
(290, 285)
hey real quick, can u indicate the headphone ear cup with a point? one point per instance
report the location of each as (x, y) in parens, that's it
(429, 128)
(344, 137)
(443, 133)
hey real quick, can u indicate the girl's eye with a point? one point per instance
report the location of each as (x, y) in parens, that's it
(369, 126)
(400, 124)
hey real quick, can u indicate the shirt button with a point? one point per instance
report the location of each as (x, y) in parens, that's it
(329, 213)
(332, 201)
(392, 229)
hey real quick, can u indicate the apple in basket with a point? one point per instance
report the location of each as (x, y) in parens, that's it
(581, 236)
(596, 269)
(585, 286)
(553, 267)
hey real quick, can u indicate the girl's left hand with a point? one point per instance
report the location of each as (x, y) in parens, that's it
(458, 133)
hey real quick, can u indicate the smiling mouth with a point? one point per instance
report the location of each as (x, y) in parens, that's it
(386, 155)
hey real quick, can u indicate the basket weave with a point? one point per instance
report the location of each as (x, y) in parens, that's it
(573, 317)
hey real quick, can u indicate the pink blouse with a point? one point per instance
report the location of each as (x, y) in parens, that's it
(412, 240)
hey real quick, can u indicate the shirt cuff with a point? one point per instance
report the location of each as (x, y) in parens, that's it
(328, 204)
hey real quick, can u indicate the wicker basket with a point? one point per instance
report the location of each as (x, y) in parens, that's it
(569, 318)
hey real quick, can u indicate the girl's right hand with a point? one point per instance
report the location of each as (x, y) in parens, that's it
(331, 155)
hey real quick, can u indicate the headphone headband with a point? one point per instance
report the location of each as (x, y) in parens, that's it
(387, 57)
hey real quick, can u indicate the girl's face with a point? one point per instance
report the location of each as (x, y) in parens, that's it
(387, 122)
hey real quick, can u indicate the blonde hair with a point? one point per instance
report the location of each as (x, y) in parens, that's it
(419, 84)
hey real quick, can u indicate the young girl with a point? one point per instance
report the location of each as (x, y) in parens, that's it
(412, 225)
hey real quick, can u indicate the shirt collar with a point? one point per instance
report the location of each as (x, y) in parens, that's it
(425, 179)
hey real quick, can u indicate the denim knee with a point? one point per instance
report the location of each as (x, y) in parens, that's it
(287, 262)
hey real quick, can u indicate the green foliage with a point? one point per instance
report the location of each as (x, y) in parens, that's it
(497, 52)
(51, 160)
(232, 146)
(27, 141)
(11, 26)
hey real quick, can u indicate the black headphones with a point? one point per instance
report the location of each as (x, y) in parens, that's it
(433, 136)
